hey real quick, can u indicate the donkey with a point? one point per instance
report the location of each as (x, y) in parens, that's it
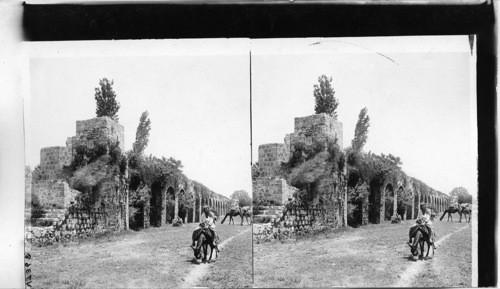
(204, 239)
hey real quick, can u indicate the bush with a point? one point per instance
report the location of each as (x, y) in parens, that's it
(396, 219)
(177, 222)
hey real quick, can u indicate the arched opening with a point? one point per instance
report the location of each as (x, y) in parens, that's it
(156, 205)
(356, 196)
(389, 201)
(170, 205)
(375, 203)
(402, 199)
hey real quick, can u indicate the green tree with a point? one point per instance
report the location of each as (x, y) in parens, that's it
(324, 95)
(462, 194)
(243, 198)
(361, 131)
(142, 133)
(105, 98)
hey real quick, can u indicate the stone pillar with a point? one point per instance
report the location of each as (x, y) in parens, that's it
(412, 205)
(176, 207)
(200, 207)
(395, 204)
(163, 207)
(419, 199)
(194, 209)
(382, 204)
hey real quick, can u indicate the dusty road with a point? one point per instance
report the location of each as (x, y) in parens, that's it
(151, 258)
(372, 255)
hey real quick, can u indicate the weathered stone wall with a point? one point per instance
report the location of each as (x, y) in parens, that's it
(270, 158)
(294, 222)
(273, 189)
(98, 130)
(316, 127)
(52, 193)
(264, 214)
(67, 225)
(52, 160)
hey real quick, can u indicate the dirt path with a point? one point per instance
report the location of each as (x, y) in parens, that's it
(151, 258)
(195, 275)
(371, 255)
(410, 276)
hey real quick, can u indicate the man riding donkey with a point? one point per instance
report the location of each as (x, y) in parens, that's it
(426, 219)
(207, 221)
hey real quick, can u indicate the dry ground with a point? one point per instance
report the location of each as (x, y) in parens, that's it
(151, 258)
(372, 255)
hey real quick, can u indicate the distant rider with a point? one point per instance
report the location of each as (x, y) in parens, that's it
(425, 219)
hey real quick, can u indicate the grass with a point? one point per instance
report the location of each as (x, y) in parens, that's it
(151, 258)
(372, 255)
(234, 268)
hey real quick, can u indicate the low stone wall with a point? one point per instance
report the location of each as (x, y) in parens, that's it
(68, 225)
(264, 214)
(294, 222)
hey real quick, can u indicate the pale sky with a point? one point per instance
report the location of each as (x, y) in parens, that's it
(197, 94)
(417, 91)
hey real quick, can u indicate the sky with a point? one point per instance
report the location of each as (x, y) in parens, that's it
(196, 91)
(419, 93)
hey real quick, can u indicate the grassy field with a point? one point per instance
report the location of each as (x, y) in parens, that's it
(151, 258)
(372, 255)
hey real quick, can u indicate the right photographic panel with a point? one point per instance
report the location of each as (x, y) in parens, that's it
(364, 162)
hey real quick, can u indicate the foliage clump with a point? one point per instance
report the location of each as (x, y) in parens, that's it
(324, 96)
(105, 98)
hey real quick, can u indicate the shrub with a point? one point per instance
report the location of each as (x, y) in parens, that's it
(177, 222)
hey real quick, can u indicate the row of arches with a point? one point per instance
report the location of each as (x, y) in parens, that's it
(183, 201)
(405, 198)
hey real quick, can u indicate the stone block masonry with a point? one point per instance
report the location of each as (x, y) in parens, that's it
(52, 193)
(318, 127)
(270, 158)
(52, 160)
(91, 132)
(275, 190)
(67, 225)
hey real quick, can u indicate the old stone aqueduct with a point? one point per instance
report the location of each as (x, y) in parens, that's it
(58, 221)
(320, 127)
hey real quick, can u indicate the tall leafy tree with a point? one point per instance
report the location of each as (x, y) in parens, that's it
(462, 194)
(243, 198)
(142, 134)
(324, 94)
(105, 98)
(361, 131)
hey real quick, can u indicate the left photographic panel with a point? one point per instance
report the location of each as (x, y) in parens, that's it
(136, 152)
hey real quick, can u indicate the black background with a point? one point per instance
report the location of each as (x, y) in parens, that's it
(162, 21)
